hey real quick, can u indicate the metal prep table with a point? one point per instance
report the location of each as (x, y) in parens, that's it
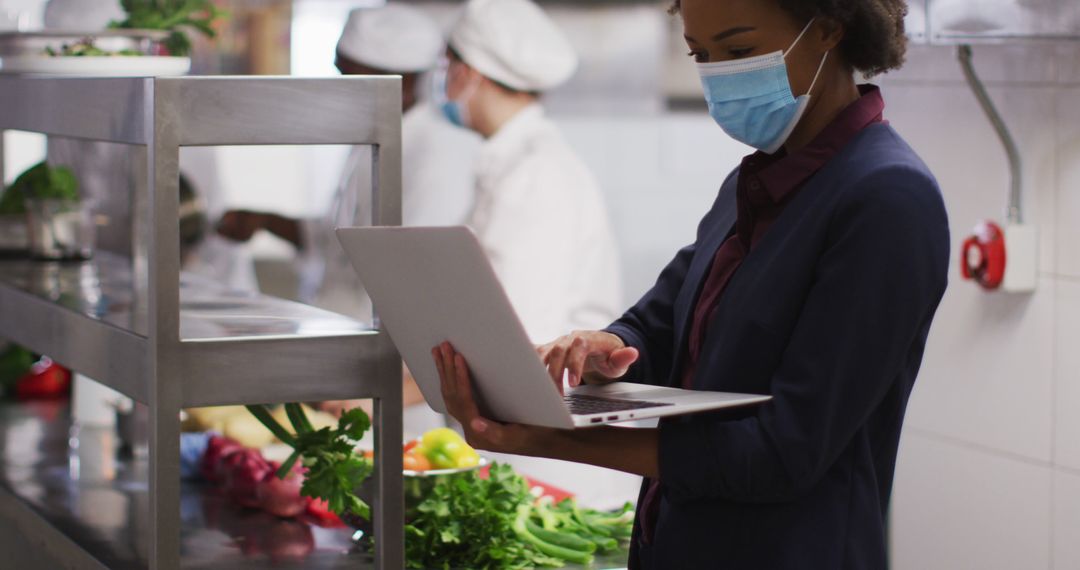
(99, 502)
(172, 341)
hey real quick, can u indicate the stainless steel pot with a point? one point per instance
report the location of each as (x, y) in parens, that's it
(13, 233)
(59, 229)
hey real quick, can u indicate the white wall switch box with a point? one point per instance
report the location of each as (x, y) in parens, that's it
(1021, 259)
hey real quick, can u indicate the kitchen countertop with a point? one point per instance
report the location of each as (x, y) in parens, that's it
(75, 481)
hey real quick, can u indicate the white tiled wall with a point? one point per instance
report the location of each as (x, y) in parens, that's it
(1066, 538)
(958, 508)
(21, 151)
(659, 174)
(1068, 133)
(1066, 411)
(989, 471)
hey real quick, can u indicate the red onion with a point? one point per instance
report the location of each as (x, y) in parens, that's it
(247, 469)
(281, 497)
(217, 449)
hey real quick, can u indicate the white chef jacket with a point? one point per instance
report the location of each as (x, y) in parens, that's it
(542, 221)
(437, 190)
(540, 216)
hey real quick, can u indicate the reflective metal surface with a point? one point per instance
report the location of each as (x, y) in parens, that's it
(102, 289)
(101, 503)
(60, 230)
(105, 109)
(74, 480)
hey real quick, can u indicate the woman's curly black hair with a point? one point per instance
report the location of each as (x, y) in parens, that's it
(874, 39)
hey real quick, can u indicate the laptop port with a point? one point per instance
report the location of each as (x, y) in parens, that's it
(596, 420)
(612, 418)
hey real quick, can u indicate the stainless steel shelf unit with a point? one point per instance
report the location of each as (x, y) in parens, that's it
(172, 341)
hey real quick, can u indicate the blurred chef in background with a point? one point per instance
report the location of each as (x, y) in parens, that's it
(437, 160)
(437, 177)
(539, 213)
(502, 55)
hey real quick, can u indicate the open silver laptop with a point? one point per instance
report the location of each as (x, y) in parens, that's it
(431, 285)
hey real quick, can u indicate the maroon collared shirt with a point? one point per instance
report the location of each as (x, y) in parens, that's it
(766, 185)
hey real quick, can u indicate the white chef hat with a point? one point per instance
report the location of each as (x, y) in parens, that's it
(392, 38)
(514, 43)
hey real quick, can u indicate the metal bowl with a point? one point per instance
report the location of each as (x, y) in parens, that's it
(431, 473)
(417, 485)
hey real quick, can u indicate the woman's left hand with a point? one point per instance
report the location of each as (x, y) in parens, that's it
(481, 432)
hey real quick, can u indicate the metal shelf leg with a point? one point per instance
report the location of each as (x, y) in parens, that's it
(389, 508)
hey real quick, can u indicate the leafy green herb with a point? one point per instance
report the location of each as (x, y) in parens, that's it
(334, 469)
(41, 182)
(12, 202)
(15, 361)
(174, 16)
(469, 522)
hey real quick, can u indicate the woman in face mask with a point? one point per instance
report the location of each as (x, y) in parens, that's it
(814, 279)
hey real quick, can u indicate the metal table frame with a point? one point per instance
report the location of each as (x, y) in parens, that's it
(160, 368)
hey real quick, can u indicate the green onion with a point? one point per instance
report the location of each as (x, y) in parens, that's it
(262, 414)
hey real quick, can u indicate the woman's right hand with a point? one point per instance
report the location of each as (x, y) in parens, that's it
(598, 356)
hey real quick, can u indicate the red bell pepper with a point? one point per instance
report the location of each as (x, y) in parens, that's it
(46, 380)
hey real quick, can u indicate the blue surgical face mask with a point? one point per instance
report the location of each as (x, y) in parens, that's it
(751, 99)
(455, 110)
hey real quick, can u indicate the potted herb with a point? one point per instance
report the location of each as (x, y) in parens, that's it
(174, 16)
(13, 238)
(58, 225)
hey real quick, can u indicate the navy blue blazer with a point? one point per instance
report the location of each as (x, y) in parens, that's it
(829, 314)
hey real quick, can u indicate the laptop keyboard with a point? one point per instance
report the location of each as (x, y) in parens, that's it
(582, 405)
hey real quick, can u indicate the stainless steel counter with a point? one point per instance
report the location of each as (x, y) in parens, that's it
(100, 503)
(77, 485)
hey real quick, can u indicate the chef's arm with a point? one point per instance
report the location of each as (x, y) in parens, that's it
(241, 225)
(410, 391)
(410, 396)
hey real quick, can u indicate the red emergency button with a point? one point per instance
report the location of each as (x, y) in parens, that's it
(983, 256)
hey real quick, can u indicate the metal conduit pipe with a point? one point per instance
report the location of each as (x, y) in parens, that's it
(1015, 210)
